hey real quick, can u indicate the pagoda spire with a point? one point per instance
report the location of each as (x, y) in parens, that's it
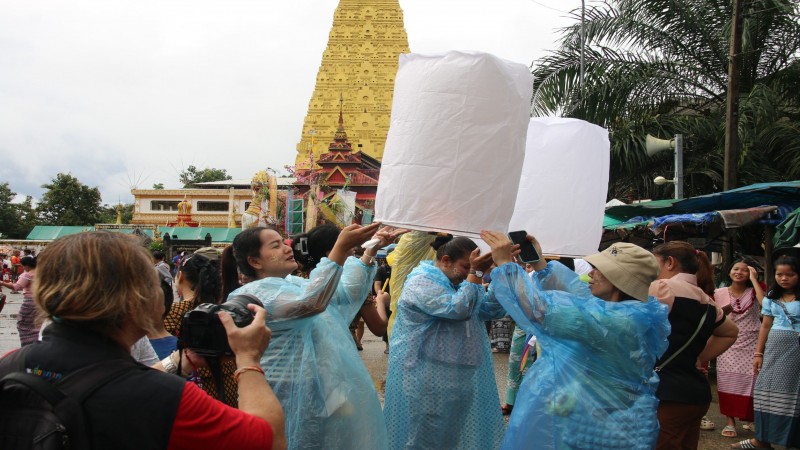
(341, 120)
(340, 142)
(360, 60)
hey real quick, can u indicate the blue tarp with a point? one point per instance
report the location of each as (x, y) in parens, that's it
(702, 209)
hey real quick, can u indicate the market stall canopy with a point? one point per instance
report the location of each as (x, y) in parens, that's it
(787, 233)
(700, 220)
(785, 194)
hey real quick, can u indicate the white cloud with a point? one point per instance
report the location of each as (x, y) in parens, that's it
(117, 92)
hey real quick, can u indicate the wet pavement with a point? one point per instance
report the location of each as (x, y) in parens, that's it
(377, 364)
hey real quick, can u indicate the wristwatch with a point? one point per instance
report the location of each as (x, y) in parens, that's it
(169, 365)
(477, 273)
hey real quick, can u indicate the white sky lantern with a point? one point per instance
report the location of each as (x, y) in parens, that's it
(562, 192)
(456, 143)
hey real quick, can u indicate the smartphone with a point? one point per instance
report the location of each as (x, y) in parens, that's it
(528, 253)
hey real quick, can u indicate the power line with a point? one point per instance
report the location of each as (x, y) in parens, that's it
(549, 7)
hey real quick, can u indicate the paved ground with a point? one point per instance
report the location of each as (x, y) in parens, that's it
(377, 362)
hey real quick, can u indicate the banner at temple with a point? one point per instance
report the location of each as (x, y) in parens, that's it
(456, 143)
(562, 191)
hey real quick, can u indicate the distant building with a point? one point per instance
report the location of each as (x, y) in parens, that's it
(217, 204)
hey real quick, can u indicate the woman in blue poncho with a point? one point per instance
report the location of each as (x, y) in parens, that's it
(593, 386)
(311, 364)
(441, 391)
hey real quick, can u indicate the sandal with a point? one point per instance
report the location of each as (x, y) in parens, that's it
(751, 426)
(706, 424)
(748, 443)
(729, 431)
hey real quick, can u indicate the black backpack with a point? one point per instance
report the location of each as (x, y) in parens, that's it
(38, 414)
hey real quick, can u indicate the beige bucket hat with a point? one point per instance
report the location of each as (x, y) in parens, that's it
(628, 267)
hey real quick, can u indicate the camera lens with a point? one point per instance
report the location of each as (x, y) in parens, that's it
(237, 306)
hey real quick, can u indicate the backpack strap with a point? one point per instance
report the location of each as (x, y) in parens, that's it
(84, 382)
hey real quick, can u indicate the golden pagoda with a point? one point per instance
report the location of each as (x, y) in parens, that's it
(359, 65)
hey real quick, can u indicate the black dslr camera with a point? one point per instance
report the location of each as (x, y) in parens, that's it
(202, 331)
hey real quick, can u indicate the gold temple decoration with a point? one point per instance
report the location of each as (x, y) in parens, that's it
(360, 63)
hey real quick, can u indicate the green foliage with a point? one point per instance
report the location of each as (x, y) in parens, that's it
(157, 244)
(16, 219)
(661, 67)
(192, 176)
(69, 202)
(158, 186)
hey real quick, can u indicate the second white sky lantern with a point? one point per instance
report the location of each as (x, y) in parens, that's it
(562, 192)
(456, 143)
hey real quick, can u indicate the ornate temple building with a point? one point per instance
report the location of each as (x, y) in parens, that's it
(358, 66)
(341, 168)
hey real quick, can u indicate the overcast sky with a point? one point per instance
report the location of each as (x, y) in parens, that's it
(124, 93)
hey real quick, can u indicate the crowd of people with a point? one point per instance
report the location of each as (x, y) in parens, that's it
(619, 360)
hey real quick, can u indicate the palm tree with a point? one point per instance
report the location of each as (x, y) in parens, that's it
(660, 67)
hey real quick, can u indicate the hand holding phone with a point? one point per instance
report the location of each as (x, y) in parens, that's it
(528, 253)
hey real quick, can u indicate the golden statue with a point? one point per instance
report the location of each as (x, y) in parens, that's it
(184, 207)
(263, 207)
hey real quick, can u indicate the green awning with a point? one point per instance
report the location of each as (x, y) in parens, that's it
(218, 235)
(50, 233)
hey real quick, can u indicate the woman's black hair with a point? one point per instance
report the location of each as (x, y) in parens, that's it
(453, 247)
(775, 290)
(169, 297)
(29, 261)
(204, 278)
(245, 245)
(309, 248)
(230, 275)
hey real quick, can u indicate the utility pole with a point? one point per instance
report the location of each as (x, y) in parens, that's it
(583, 44)
(732, 120)
(732, 106)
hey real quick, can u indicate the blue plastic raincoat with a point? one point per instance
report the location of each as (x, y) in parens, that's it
(312, 364)
(441, 392)
(593, 387)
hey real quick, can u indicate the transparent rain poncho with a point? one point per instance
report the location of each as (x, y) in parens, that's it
(312, 364)
(441, 391)
(593, 386)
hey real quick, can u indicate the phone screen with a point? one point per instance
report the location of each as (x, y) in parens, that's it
(528, 253)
